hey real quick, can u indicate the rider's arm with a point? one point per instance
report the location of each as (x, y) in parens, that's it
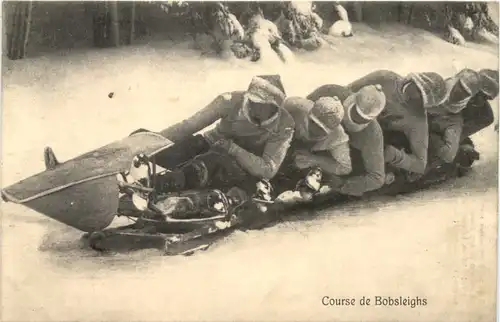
(329, 90)
(332, 154)
(417, 132)
(450, 143)
(377, 77)
(370, 143)
(338, 162)
(214, 111)
(268, 164)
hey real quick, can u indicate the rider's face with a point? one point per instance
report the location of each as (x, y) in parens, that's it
(458, 93)
(412, 94)
(355, 122)
(315, 131)
(261, 112)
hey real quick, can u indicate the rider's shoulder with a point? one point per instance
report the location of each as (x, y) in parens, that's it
(232, 96)
(297, 103)
(380, 75)
(295, 100)
(287, 124)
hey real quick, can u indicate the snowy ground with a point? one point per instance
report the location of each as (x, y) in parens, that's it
(439, 244)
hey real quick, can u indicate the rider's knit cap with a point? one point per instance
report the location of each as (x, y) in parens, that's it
(489, 82)
(432, 88)
(266, 89)
(329, 111)
(470, 80)
(370, 101)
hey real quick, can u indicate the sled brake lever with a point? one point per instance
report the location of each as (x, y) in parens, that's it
(135, 187)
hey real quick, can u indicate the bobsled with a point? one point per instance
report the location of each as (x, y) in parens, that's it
(90, 191)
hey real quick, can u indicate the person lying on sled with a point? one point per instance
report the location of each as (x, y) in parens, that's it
(446, 121)
(319, 147)
(247, 145)
(366, 141)
(477, 115)
(408, 99)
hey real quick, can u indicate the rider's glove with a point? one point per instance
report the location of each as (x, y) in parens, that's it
(413, 176)
(222, 145)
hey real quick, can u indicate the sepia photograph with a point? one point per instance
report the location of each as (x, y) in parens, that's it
(249, 161)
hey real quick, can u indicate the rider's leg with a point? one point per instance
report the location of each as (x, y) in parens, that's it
(200, 203)
(224, 172)
(211, 169)
(182, 151)
(288, 175)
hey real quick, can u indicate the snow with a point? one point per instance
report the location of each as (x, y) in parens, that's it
(438, 244)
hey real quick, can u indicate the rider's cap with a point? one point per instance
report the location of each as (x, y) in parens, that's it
(363, 107)
(266, 89)
(489, 82)
(327, 112)
(432, 87)
(370, 101)
(470, 80)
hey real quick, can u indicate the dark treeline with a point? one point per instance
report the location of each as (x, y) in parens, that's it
(115, 23)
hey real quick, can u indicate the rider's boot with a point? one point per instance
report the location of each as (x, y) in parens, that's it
(237, 197)
(263, 194)
(263, 190)
(50, 158)
(311, 184)
(466, 156)
(140, 171)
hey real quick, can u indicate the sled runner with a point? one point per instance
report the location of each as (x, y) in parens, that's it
(88, 192)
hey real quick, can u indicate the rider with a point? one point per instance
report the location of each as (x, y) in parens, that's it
(446, 121)
(408, 99)
(248, 145)
(478, 115)
(361, 109)
(320, 144)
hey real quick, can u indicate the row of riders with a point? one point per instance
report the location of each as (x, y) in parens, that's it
(339, 140)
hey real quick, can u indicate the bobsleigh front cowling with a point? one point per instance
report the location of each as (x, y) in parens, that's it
(83, 192)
